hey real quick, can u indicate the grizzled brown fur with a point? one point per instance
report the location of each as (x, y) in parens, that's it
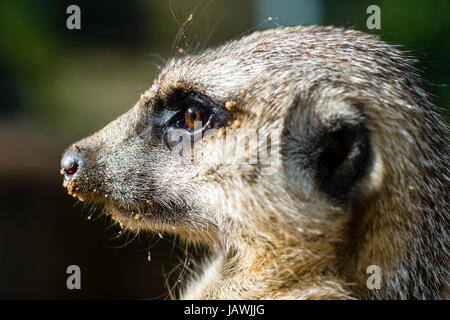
(363, 176)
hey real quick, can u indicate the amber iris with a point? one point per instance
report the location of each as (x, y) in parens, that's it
(194, 114)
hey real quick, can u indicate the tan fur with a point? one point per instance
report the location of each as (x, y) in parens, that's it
(281, 235)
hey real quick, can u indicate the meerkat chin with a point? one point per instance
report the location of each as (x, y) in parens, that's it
(302, 156)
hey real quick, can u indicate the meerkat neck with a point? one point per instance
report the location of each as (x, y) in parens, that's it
(268, 274)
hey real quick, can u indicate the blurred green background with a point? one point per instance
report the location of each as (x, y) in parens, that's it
(59, 85)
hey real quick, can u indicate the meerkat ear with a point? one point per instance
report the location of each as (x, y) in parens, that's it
(343, 159)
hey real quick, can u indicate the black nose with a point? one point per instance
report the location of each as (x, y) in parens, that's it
(70, 163)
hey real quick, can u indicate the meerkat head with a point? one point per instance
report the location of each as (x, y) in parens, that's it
(296, 137)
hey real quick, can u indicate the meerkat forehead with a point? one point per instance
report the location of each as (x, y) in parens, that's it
(269, 69)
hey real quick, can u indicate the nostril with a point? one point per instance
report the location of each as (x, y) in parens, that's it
(69, 165)
(71, 171)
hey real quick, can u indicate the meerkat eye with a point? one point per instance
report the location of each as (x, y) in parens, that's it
(195, 114)
(193, 119)
(182, 116)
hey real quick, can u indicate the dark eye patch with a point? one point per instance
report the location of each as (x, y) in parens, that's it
(169, 113)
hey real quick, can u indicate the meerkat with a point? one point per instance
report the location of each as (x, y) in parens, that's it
(348, 170)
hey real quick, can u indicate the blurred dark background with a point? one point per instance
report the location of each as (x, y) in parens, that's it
(59, 85)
